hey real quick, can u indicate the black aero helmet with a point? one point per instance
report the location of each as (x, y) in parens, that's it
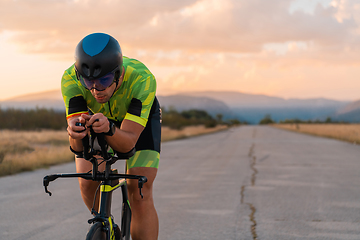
(97, 55)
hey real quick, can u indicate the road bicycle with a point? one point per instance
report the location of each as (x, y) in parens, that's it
(103, 225)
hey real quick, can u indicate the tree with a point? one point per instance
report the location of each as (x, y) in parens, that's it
(266, 120)
(219, 117)
(328, 120)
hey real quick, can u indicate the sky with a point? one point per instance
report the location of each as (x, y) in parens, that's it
(284, 48)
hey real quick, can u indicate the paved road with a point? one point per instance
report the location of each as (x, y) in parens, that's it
(244, 183)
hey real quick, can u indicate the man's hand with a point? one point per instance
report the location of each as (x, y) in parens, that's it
(74, 131)
(100, 123)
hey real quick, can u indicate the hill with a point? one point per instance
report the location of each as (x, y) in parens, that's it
(253, 107)
(183, 102)
(246, 107)
(245, 100)
(53, 100)
(52, 94)
(350, 112)
(48, 99)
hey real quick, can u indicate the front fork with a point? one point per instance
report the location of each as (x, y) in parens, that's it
(104, 215)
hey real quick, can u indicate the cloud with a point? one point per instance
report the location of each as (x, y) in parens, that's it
(52, 27)
(247, 45)
(239, 26)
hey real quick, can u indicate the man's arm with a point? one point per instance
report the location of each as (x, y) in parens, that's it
(76, 133)
(124, 139)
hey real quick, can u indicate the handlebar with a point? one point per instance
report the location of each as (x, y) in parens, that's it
(89, 154)
(99, 177)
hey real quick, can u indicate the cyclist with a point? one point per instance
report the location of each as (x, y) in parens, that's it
(116, 95)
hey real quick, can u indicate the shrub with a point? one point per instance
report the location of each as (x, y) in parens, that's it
(176, 120)
(266, 120)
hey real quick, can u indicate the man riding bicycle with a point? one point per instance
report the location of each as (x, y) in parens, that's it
(116, 95)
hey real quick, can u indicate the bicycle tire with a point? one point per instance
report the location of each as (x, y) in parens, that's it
(96, 232)
(117, 232)
(125, 221)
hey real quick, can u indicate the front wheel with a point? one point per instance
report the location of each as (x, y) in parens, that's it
(117, 232)
(96, 232)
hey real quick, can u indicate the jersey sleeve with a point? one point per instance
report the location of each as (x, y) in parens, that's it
(143, 95)
(73, 94)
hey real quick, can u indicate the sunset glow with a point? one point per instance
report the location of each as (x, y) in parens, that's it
(284, 48)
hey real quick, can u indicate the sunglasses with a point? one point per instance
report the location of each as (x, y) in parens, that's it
(99, 84)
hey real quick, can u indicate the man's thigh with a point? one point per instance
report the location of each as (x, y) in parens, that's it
(83, 166)
(144, 158)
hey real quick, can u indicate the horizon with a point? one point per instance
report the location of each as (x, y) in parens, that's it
(295, 49)
(34, 95)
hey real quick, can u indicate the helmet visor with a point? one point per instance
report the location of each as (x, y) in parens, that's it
(99, 84)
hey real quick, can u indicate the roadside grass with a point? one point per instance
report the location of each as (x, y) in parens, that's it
(29, 150)
(345, 132)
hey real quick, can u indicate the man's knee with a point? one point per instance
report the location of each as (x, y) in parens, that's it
(87, 186)
(134, 192)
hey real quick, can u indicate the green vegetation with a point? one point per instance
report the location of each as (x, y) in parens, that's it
(327, 120)
(266, 120)
(39, 118)
(178, 120)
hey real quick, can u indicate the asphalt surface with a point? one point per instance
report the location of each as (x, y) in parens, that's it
(250, 182)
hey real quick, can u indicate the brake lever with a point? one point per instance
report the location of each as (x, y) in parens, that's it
(47, 180)
(141, 182)
(46, 191)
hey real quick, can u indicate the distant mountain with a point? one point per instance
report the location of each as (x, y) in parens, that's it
(237, 99)
(350, 112)
(246, 107)
(53, 99)
(245, 100)
(353, 106)
(50, 95)
(183, 102)
(253, 107)
(48, 99)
